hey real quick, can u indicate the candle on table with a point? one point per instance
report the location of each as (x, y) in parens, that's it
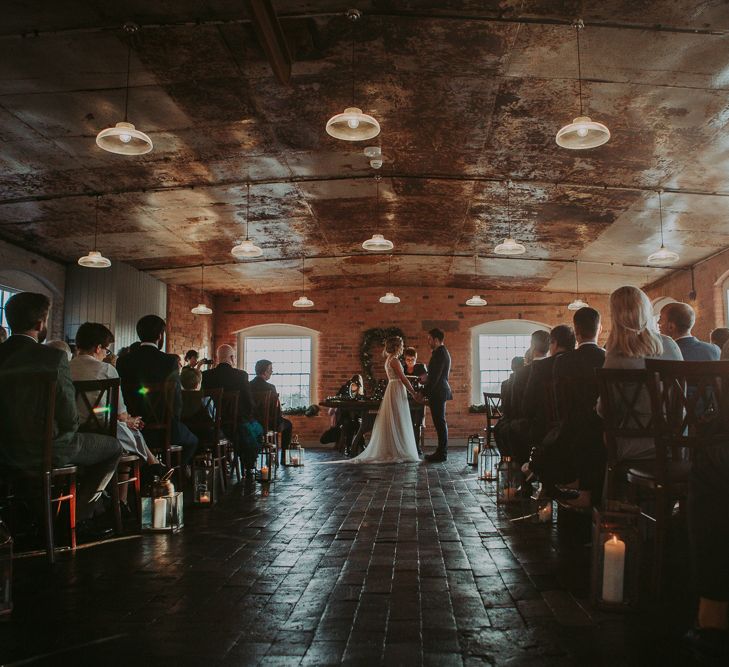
(613, 570)
(159, 513)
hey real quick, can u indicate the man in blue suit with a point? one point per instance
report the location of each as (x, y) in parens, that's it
(677, 320)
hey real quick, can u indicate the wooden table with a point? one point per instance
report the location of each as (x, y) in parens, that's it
(367, 409)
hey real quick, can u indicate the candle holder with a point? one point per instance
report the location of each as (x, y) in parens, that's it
(6, 571)
(203, 480)
(163, 514)
(507, 488)
(266, 471)
(473, 448)
(488, 461)
(615, 580)
(544, 514)
(294, 455)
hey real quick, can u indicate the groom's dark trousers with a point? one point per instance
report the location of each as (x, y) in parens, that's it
(438, 392)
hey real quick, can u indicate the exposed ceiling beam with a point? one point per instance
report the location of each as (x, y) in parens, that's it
(271, 37)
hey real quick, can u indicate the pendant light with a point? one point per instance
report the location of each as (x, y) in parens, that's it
(389, 296)
(246, 249)
(582, 132)
(124, 138)
(663, 256)
(95, 260)
(509, 246)
(577, 303)
(302, 301)
(378, 243)
(476, 299)
(201, 308)
(353, 124)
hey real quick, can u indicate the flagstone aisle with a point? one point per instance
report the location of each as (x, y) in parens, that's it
(396, 564)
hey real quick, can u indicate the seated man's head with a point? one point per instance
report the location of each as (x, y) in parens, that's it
(411, 356)
(587, 325)
(676, 320)
(151, 329)
(225, 354)
(561, 339)
(264, 369)
(94, 339)
(27, 313)
(539, 346)
(191, 357)
(190, 379)
(720, 336)
(517, 363)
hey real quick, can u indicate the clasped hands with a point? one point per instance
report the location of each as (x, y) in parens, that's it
(419, 397)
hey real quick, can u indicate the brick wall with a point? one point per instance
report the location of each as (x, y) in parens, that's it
(28, 272)
(710, 303)
(186, 331)
(341, 316)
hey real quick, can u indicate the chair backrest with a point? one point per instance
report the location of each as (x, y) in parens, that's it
(98, 401)
(157, 408)
(229, 412)
(268, 409)
(575, 397)
(626, 407)
(213, 401)
(691, 399)
(493, 405)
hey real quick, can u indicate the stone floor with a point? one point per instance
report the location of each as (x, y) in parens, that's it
(392, 564)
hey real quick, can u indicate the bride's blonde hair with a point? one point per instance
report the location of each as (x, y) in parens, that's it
(393, 345)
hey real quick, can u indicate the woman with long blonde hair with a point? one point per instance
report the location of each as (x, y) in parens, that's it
(633, 338)
(392, 440)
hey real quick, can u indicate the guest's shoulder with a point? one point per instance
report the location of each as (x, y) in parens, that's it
(671, 350)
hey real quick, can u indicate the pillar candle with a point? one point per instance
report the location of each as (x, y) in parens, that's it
(613, 570)
(475, 454)
(159, 513)
(295, 460)
(544, 513)
(264, 472)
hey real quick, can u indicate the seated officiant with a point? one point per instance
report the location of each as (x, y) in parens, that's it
(413, 370)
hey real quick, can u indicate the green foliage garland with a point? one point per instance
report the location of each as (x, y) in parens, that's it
(377, 335)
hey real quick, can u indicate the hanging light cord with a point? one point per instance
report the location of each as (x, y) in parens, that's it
(248, 206)
(351, 67)
(508, 209)
(302, 273)
(202, 283)
(660, 215)
(389, 272)
(475, 271)
(578, 26)
(577, 278)
(96, 224)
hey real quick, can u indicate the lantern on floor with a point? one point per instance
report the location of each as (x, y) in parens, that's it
(506, 483)
(473, 448)
(203, 479)
(162, 507)
(6, 571)
(266, 464)
(615, 581)
(544, 514)
(488, 461)
(295, 453)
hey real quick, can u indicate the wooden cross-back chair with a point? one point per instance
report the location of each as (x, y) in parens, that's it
(229, 407)
(492, 402)
(211, 401)
(99, 401)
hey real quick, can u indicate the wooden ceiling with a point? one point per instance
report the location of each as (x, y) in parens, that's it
(467, 96)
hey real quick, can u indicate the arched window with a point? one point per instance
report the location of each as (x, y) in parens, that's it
(293, 352)
(493, 346)
(13, 281)
(5, 294)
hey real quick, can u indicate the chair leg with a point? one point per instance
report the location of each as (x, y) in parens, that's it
(48, 518)
(116, 502)
(659, 542)
(137, 468)
(72, 509)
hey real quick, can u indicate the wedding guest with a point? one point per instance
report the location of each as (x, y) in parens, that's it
(3, 335)
(146, 364)
(195, 409)
(261, 388)
(227, 377)
(677, 320)
(501, 430)
(191, 358)
(61, 345)
(541, 376)
(634, 338)
(720, 337)
(92, 344)
(345, 421)
(22, 433)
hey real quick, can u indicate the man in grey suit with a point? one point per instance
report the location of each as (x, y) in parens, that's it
(677, 320)
(23, 404)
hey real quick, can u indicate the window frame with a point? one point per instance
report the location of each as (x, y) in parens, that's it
(283, 331)
(10, 291)
(506, 327)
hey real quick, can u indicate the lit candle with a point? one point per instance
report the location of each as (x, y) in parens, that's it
(205, 497)
(475, 454)
(613, 570)
(159, 513)
(294, 460)
(544, 513)
(509, 493)
(264, 472)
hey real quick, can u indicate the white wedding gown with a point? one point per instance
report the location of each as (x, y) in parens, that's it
(392, 439)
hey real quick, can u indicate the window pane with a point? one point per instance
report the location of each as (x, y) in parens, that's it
(495, 352)
(5, 294)
(291, 358)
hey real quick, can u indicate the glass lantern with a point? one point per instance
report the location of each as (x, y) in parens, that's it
(295, 453)
(615, 581)
(266, 464)
(488, 461)
(473, 448)
(506, 482)
(163, 514)
(544, 515)
(203, 480)
(6, 571)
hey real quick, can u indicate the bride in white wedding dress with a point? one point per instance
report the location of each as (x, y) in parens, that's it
(392, 439)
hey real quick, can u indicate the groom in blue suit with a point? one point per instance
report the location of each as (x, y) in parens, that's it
(438, 391)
